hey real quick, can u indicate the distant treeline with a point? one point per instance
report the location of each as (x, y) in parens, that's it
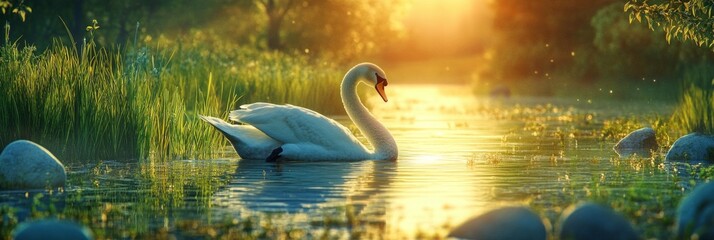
(556, 45)
(321, 26)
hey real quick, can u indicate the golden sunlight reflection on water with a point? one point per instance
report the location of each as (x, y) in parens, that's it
(433, 185)
(459, 156)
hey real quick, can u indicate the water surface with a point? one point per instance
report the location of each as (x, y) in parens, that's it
(459, 156)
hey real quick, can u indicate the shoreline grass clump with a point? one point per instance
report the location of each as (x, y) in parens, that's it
(98, 103)
(695, 112)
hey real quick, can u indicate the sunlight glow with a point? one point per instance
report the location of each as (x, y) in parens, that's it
(446, 26)
(433, 187)
(427, 159)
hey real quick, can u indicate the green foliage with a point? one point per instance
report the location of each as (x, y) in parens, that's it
(625, 50)
(20, 9)
(554, 46)
(342, 29)
(144, 103)
(685, 20)
(680, 19)
(535, 40)
(695, 112)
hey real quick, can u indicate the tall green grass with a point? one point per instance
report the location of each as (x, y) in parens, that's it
(695, 112)
(98, 103)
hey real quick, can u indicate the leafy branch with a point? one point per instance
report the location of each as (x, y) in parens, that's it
(21, 10)
(680, 19)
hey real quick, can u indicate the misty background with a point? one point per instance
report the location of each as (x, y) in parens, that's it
(531, 47)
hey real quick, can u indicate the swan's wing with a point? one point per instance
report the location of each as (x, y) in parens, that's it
(249, 142)
(293, 124)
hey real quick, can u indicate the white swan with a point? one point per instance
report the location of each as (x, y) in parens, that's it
(270, 131)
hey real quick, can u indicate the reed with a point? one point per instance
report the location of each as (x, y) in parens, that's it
(695, 112)
(99, 103)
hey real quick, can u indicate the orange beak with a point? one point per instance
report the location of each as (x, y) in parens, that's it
(381, 82)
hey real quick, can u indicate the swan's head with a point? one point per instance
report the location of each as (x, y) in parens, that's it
(373, 75)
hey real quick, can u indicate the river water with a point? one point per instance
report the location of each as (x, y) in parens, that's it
(459, 156)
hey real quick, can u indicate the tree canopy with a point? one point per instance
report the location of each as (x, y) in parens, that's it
(315, 26)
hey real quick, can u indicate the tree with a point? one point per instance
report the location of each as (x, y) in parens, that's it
(536, 39)
(276, 13)
(335, 27)
(631, 51)
(680, 19)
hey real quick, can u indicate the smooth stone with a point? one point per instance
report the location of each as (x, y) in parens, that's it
(27, 165)
(693, 147)
(695, 214)
(592, 221)
(640, 142)
(500, 91)
(51, 229)
(502, 223)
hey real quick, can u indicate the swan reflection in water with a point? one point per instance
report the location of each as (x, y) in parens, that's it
(304, 187)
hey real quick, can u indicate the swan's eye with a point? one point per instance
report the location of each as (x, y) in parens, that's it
(380, 79)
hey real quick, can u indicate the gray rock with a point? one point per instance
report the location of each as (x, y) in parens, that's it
(695, 214)
(500, 91)
(502, 223)
(693, 147)
(51, 229)
(592, 221)
(640, 142)
(26, 165)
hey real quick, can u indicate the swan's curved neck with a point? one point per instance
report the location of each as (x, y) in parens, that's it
(385, 148)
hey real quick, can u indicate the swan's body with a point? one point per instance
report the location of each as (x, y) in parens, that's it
(270, 131)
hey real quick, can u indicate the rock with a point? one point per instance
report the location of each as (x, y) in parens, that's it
(695, 214)
(502, 223)
(26, 165)
(51, 229)
(500, 91)
(592, 221)
(693, 147)
(640, 142)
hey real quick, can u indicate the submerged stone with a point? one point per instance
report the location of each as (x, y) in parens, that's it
(695, 214)
(693, 147)
(51, 229)
(640, 142)
(27, 165)
(592, 221)
(502, 223)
